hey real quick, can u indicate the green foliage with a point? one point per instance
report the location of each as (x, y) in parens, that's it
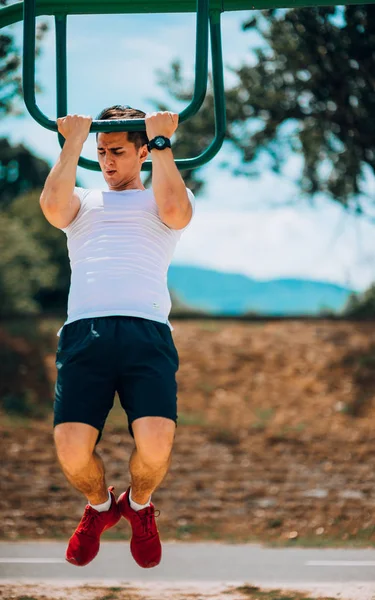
(10, 88)
(179, 306)
(196, 134)
(10, 78)
(316, 73)
(361, 305)
(310, 90)
(34, 268)
(24, 268)
(20, 172)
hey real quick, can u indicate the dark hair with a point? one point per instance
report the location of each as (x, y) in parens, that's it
(138, 138)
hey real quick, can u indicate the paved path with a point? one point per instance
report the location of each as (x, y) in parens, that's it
(341, 571)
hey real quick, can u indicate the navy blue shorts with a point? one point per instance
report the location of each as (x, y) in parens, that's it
(101, 355)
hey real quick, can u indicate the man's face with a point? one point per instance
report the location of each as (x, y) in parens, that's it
(119, 159)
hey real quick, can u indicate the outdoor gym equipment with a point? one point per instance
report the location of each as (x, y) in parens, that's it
(208, 19)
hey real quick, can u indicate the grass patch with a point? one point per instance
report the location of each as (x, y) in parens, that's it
(14, 421)
(206, 386)
(210, 326)
(191, 530)
(342, 540)
(263, 417)
(192, 419)
(255, 593)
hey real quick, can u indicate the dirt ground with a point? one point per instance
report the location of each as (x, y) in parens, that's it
(153, 591)
(275, 442)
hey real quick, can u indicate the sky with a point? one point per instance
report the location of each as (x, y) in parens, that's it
(257, 227)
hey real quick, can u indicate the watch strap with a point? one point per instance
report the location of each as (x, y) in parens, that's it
(151, 145)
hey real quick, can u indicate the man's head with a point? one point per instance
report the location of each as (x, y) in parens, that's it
(121, 153)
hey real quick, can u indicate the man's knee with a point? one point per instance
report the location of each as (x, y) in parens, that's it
(75, 444)
(154, 437)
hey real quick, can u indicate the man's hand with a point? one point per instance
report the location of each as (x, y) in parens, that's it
(75, 127)
(161, 123)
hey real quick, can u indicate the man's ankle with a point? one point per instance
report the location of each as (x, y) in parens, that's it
(103, 506)
(137, 505)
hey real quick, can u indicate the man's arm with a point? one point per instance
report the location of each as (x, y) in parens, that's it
(169, 189)
(58, 201)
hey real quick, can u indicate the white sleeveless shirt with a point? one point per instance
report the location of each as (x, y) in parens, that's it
(120, 252)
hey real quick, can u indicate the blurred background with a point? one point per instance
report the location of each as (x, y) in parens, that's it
(272, 284)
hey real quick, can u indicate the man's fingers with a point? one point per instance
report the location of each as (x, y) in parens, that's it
(74, 126)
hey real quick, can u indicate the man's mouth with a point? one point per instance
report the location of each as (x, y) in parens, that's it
(110, 172)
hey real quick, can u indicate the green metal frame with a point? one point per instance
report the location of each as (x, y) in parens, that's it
(208, 18)
(201, 74)
(14, 12)
(115, 125)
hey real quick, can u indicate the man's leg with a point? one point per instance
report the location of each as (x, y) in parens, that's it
(152, 455)
(75, 445)
(148, 466)
(81, 465)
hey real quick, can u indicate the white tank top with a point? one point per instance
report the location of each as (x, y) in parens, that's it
(120, 252)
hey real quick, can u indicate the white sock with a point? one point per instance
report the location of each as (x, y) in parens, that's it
(136, 506)
(103, 507)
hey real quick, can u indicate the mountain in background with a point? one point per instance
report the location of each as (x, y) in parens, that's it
(216, 292)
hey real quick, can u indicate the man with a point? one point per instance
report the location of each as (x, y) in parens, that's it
(117, 336)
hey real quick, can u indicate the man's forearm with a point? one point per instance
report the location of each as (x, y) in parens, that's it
(59, 186)
(167, 184)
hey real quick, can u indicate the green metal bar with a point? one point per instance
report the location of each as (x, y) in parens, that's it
(219, 99)
(61, 85)
(13, 13)
(219, 108)
(61, 71)
(28, 67)
(201, 62)
(201, 71)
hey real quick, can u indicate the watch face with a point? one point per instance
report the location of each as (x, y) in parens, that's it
(159, 142)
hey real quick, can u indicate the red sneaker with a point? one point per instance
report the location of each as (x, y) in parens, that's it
(84, 544)
(145, 544)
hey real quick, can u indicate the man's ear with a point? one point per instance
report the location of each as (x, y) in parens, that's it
(143, 154)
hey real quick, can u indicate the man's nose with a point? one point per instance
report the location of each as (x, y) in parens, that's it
(108, 159)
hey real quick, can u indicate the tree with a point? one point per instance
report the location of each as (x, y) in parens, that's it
(361, 305)
(34, 266)
(310, 91)
(20, 172)
(10, 79)
(25, 267)
(10, 88)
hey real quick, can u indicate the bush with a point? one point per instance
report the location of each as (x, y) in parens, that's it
(361, 305)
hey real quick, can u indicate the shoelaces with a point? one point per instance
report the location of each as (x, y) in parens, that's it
(146, 520)
(88, 517)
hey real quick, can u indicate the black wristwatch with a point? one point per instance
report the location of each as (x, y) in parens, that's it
(159, 143)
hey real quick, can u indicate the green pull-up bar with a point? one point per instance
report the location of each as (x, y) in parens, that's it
(208, 17)
(201, 73)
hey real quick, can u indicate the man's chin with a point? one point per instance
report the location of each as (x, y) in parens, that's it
(111, 180)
